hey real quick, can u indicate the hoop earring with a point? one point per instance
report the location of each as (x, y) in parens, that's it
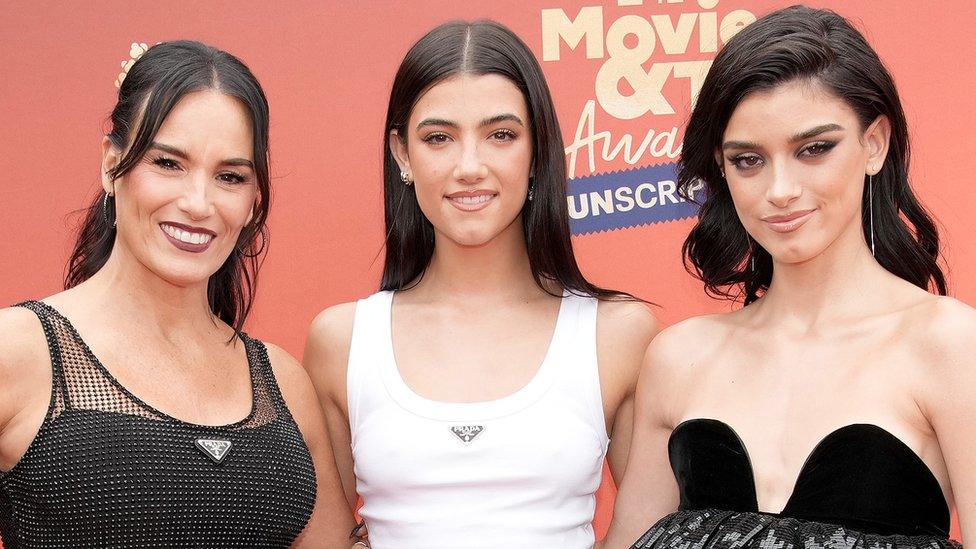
(871, 210)
(108, 221)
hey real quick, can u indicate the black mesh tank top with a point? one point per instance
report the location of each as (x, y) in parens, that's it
(108, 470)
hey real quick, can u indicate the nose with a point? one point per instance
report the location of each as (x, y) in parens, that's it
(785, 186)
(470, 167)
(195, 201)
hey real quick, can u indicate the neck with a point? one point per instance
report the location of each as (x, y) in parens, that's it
(498, 269)
(131, 293)
(844, 281)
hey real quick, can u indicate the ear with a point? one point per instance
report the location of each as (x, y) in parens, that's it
(876, 140)
(250, 216)
(110, 159)
(720, 161)
(398, 146)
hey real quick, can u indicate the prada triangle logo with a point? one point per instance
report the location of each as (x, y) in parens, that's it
(467, 433)
(214, 449)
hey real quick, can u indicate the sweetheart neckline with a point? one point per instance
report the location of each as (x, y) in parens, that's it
(812, 453)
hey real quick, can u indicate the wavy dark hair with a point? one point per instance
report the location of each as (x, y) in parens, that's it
(479, 48)
(153, 86)
(790, 44)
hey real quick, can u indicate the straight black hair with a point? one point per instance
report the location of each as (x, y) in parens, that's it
(786, 45)
(479, 48)
(153, 86)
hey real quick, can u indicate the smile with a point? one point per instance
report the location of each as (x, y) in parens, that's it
(788, 223)
(189, 239)
(471, 201)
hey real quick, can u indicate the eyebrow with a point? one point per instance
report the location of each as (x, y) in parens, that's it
(507, 117)
(182, 154)
(807, 134)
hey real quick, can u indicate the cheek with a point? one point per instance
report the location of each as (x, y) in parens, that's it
(747, 199)
(236, 206)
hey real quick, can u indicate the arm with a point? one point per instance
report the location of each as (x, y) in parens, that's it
(648, 491)
(331, 520)
(950, 404)
(25, 382)
(326, 360)
(624, 329)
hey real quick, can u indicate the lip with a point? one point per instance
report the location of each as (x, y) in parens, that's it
(789, 222)
(471, 201)
(187, 246)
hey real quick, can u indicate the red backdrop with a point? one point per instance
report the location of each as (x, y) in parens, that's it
(327, 69)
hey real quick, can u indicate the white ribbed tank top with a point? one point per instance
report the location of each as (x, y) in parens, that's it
(517, 472)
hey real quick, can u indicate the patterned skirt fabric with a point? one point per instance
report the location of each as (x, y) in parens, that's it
(714, 529)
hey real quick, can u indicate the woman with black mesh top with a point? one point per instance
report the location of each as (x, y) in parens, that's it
(134, 412)
(836, 408)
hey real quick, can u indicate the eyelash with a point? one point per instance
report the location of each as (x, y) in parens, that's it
(438, 138)
(172, 165)
(822, 148)
(166, 163)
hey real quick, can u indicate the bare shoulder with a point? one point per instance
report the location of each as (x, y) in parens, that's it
(624, 328)
(629, 319)
(943, 328)
(25, 364)
(679, 352)
(684, 342)
(331, 331)
(22, 343)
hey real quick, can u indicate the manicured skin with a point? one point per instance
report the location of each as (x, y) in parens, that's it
(476, 326)
(145, 314)
(842, 340)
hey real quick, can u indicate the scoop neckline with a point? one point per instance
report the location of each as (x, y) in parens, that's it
(516, 401)
(251, 366)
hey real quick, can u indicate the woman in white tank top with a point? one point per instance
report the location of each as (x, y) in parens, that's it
(471, 401)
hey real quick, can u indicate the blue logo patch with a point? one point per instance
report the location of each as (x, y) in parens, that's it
(618, 200)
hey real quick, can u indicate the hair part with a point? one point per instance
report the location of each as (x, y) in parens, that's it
(154, 85)
(786, 45)
(479, 48)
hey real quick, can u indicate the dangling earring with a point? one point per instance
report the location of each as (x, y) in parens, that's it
(871, 209)
(531, 188)
(752, 261)
(112, 221)
(405, 177)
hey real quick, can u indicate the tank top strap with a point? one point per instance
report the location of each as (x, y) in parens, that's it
(368, 339)
(579, 373)
(268, 402)
(54, 334)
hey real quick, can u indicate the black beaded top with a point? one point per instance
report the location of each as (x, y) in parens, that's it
(108, 470)
(860, 488)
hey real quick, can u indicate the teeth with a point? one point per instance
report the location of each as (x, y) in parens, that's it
(186, 236)
(471, 200)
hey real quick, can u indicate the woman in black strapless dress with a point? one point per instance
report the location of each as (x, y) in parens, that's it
(836, 408)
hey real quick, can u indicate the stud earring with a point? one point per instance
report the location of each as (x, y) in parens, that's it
(405, 177)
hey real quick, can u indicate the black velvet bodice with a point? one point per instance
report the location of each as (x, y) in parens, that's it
(860, 476)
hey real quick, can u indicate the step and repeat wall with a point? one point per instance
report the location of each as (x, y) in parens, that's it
(623, 74)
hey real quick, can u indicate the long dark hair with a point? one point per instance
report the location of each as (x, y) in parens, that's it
(482, 47)
(786, 45)
(153, 86)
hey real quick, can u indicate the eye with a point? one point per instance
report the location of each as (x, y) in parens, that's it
(232, 177)
(746, 161)
(818, 149)
(166, 163)
(504, 135)
(436, 138)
